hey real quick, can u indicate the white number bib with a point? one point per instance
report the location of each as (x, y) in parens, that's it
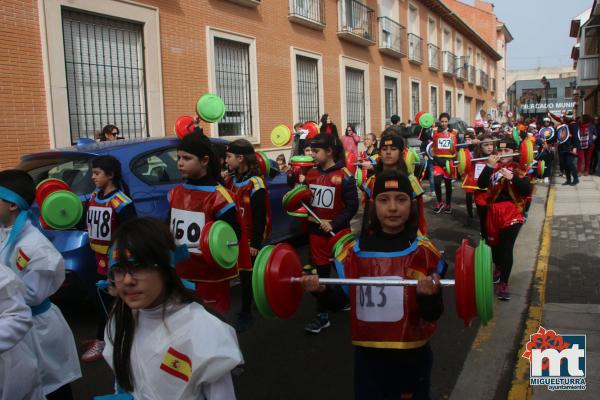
(380, 303)
(322, 196)
(444, 143)
(478, 168)
(186, 227)
(99, 220)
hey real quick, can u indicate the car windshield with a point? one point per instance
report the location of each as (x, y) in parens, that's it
(75, 171)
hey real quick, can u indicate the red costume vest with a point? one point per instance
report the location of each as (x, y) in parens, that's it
(469, 183)
(389, 317)
(102, 220)
(327, 200)
(584, 136)
(243, 192)
(192, 207)
(444, 144)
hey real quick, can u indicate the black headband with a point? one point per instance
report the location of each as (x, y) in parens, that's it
(240, 150)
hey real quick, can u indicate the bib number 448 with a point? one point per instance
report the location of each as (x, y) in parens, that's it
(99, 223)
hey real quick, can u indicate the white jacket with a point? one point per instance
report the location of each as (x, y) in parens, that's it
(188, 355)
(41, 267)
(19, 378)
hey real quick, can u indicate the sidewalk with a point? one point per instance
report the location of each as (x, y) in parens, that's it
(572, 293)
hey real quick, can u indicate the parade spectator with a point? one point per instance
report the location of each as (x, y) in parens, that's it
(350, 140)
(568, 150)
(109, 133)
(587, 132)
(426, 137)
(281, 163)
(298, 138)
(327, 126)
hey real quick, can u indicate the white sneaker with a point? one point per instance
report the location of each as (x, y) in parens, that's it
(546, 180)
(94, 352)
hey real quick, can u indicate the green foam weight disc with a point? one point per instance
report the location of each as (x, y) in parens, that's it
(426, 121)
(220, 236)
(211, 107)
(258, 282)
(62, 209)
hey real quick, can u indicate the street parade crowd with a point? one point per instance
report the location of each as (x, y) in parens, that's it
(163, 284)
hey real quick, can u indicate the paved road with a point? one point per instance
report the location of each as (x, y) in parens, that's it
(283, 362)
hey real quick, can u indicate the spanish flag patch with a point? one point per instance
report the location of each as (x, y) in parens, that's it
(22, 260)
(177, 364)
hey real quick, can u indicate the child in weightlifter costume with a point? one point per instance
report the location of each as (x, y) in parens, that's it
(391, 326)
(201, 199)
(252, 199)
(334, 201)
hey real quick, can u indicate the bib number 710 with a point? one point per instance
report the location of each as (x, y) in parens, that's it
(322, 196)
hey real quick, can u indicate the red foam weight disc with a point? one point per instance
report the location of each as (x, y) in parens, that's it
(296, 200)
(334, 239)
(284, 296)
(351, 161)
(184, 125)
(48, 186)
(464, 287)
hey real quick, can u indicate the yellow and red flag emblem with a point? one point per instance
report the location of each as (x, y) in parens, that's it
(177, 364)
(22, 260)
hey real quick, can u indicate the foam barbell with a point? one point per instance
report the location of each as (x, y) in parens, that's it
(278, 270)
(297, 198)
(60, 208)
(464, 160)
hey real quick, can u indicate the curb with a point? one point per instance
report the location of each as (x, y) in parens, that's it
(520, 388)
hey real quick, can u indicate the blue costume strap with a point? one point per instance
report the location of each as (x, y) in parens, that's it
(41, 308)
(25, 214)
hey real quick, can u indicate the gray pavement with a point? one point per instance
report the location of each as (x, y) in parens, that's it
(573, 284)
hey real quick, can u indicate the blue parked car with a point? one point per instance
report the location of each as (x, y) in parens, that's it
(150, 169)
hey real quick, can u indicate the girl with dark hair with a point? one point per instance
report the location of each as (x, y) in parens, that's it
(162, 344)
(508, 185)
(443, 149)
(483, 147)
(201, 199)
(391, 157)
(327, 126)
(252, 199)
(335, 201)
(392, 355)
(108, 207)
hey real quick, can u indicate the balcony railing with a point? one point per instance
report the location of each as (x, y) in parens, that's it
(483, 79)
(415, 53)
(392, 37)
(460, 68)
(434, 56)
(471, 74)
(587, 70)
(246, 3)
(449, 60)
(355, 22)
(310, 13)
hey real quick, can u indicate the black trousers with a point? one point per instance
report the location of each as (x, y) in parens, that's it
(437, 180)
(502, 253)
(62, 393)
(246, 286)
(382, 374)
(568, 163)
(482, 213)
(469, 201)
(548, 158)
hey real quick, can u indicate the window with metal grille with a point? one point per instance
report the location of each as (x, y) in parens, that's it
(391, 98)
(449, 102)
(104, 65)
(232, 72)
(307, 79)
(355, 99)
(433, 101)
(415, 94)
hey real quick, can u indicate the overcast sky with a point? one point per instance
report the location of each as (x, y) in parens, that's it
(540, 29)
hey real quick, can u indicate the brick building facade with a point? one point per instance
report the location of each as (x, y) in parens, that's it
(68, 67)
